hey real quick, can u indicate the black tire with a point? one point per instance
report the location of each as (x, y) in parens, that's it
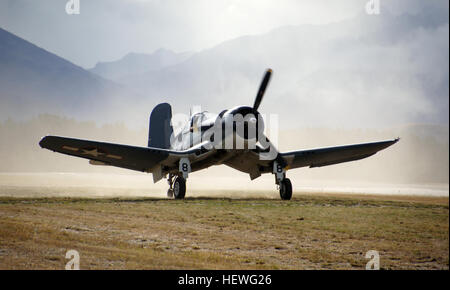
(179, 187)
(286, 189)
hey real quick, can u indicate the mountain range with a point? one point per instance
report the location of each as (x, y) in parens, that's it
(134, 64)
(35, 81)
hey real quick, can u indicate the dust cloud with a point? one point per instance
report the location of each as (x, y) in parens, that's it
(417, 165)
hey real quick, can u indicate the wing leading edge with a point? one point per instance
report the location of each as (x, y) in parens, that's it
(144, 159)
(334, 155)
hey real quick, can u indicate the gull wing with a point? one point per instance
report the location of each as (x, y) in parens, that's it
(334, 155)
(146, 159)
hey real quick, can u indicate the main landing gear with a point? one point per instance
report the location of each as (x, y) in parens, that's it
(285, 189)
(177, 186)
(284, 184)
(177, 183)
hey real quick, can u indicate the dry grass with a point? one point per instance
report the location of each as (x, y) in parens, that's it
(308, 232)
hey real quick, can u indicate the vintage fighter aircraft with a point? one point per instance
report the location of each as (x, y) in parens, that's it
(200, 145)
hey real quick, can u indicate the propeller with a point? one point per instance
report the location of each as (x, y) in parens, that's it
(258, 99)
(262, 89)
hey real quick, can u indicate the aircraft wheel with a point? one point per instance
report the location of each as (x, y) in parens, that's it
(286, 189)
(179, 187)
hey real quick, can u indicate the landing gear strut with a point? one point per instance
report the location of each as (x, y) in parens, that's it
(283, 183)
(177, 181)
(170, 182)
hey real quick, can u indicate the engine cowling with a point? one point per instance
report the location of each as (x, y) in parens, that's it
(243, 122)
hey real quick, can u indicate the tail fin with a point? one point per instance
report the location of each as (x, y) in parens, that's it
(160, 129)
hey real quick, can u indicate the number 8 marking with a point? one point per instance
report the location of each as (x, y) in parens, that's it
(279, 168)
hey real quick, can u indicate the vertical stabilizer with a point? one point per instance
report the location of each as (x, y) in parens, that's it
(160, 129)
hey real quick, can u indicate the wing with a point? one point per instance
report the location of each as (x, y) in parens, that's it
(146, 159)
(334, 155)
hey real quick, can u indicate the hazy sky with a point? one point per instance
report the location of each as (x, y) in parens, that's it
(108, 29)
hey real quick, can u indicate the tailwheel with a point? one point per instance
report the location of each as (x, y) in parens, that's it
(285, 189)
(179, 187)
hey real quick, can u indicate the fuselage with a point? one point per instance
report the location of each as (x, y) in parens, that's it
(236, 128)
(193, 132)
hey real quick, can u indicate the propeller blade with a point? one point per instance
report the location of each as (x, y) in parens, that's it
(262, 89)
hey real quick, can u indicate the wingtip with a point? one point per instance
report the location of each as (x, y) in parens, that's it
(43, 141)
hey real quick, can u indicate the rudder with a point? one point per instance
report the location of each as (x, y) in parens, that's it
(160, 128)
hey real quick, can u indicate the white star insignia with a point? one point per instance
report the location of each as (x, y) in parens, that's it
(93, 152)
